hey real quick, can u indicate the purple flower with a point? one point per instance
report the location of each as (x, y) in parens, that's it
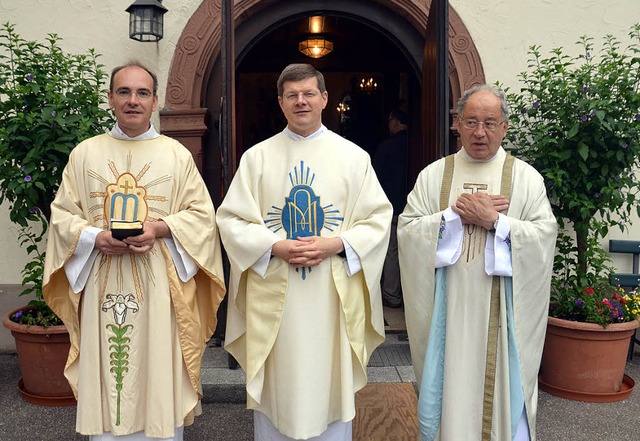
(587, 55)
(53, 113)
(523, 111)
(579, 303)
(536, 105)
(593, 112)
(585, 89)
(507, 241)
(23, 168)
(638, 117)
(625, 146)
(33, 210)
(597, 195)
(17, 315)
(30, 78)
(27, 178)
(584, 118)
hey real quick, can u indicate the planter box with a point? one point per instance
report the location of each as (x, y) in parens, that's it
(586, 362)
(42, 353)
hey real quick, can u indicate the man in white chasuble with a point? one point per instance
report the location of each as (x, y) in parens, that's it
(306, 225)
(127, 272)
(477, 241)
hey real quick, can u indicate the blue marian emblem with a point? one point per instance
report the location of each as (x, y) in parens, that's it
(302, 214)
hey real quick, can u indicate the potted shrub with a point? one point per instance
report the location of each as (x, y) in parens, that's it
(576, 120)
(49, 102)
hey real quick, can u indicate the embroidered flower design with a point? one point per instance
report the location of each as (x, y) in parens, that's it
(443, 226)
(507, 240)
(121, 304)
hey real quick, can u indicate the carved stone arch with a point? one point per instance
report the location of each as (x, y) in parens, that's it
(184, 114)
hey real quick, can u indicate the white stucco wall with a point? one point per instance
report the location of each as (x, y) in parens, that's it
(502, 31)
(83, 24)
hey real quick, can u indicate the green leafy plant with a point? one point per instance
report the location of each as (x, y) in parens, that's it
(577, 120)
(50, 100)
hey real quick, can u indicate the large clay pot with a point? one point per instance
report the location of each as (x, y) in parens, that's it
(42, 353)
(586, 362)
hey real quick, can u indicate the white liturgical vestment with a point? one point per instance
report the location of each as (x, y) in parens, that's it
(138, 324)
(304, 335)
(476, 334)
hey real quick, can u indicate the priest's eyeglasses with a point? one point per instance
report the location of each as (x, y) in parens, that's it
(489, 126)
(306, 95)
(142, 94)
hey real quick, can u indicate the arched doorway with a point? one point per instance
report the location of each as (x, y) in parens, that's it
(194, 87)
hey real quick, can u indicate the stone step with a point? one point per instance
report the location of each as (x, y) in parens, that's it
(390, 363)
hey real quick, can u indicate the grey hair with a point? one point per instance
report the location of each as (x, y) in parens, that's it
(504, 107)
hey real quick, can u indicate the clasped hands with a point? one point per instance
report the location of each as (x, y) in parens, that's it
(141, 244)
(480, 208)
(307, 251)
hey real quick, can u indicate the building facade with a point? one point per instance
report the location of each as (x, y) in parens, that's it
(377, 40)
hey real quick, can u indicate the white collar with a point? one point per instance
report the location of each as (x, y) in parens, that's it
(117, 133)
(466, 156)
(288, 132)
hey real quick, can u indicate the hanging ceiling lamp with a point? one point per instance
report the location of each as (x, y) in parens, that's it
(146, 20)
(316, 44)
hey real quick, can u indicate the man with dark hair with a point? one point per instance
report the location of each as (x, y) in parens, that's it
(476, 243)
(390, 164)
(305, 224)
(127, 273)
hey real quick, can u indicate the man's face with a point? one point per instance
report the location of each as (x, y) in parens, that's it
(480, 143)
(302, 104)
(393, 124)
(132, 100)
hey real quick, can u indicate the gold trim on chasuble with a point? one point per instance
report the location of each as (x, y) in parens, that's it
(302, 214)
(124, 199)
(494, 309)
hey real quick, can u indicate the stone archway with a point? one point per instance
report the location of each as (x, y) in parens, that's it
(184, 115)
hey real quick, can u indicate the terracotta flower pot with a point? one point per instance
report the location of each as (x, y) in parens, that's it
(42, 353)
(586, 362)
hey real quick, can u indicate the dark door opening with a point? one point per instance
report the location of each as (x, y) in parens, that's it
(366, 74)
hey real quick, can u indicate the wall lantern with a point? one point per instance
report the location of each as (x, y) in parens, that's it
(316, 45)
(146, 20)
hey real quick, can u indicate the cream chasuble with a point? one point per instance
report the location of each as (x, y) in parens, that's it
(304, 336)
(137, 331)
(468, 295)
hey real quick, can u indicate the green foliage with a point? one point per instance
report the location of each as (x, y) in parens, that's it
(39, 313)
(119, 359)
(49, 102)
(577, 120)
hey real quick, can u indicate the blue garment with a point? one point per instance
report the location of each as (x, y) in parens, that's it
(430, 399)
